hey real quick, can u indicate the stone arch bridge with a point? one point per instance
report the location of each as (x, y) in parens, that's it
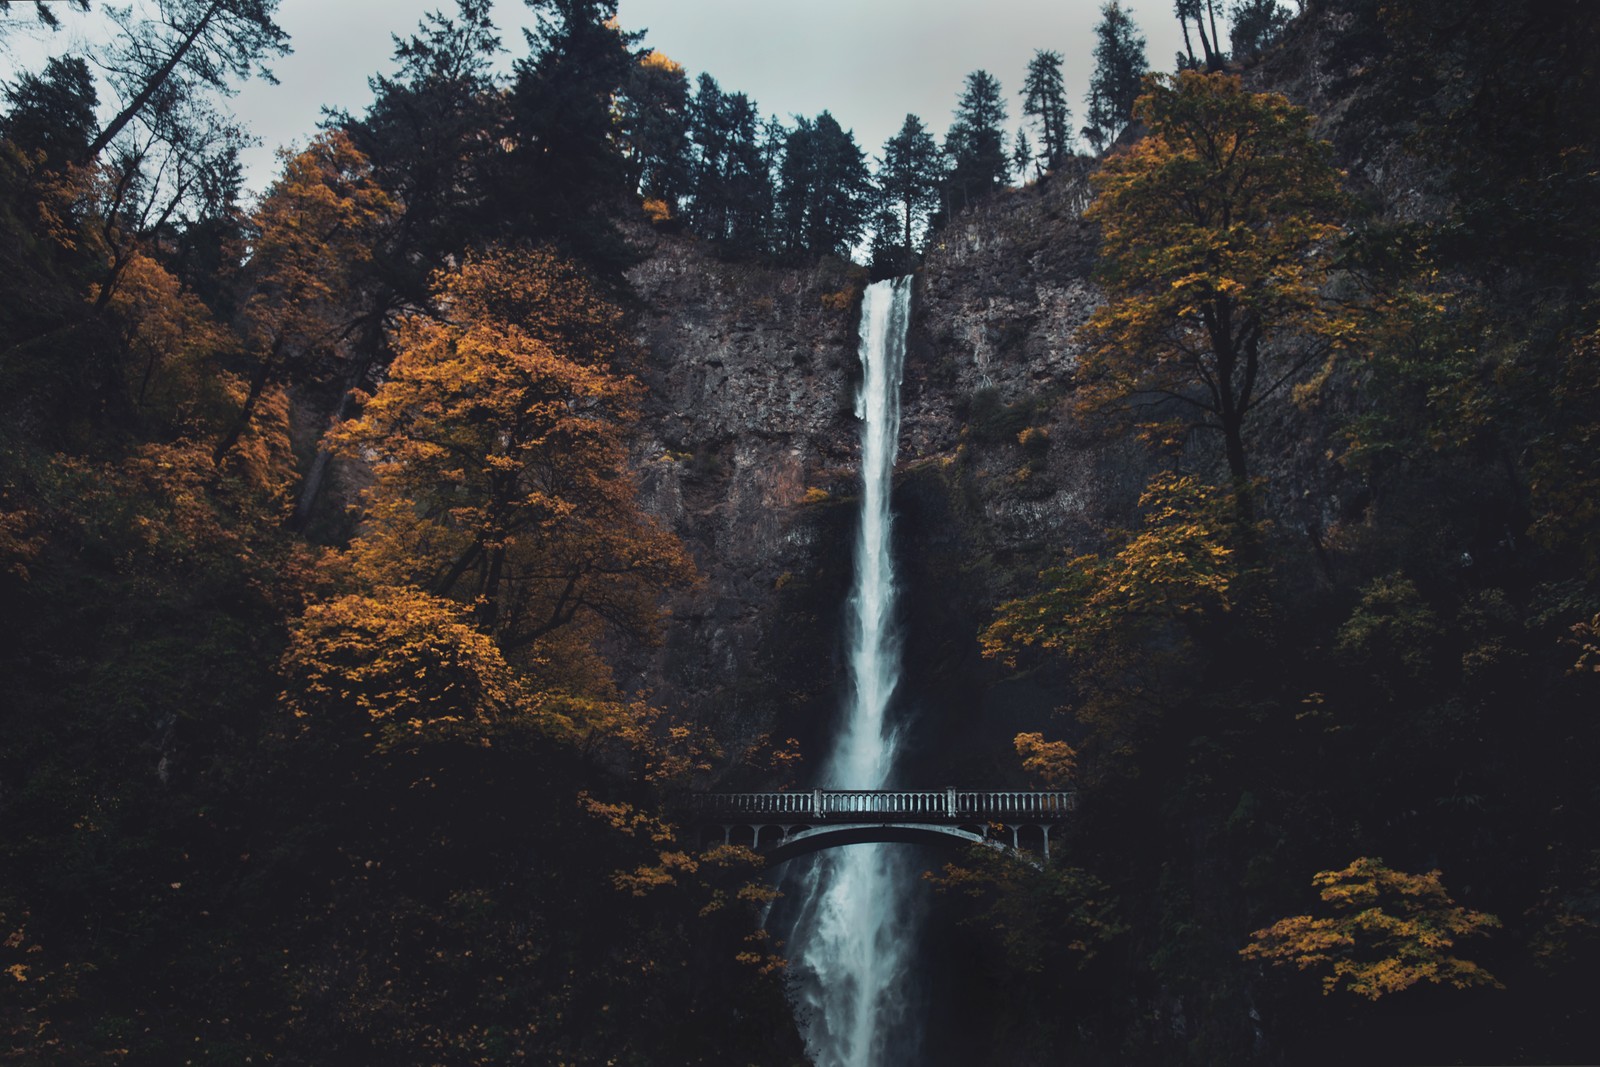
(781, 826)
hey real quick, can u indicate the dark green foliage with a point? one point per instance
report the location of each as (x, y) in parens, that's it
(656, 128)
(733, 197)
(976, 143)
(1044, 100)
(565, 178)
(909, 175)
(825, 192)
(1119, 68)
(52, 113)
(430, 136)
(1256, 25)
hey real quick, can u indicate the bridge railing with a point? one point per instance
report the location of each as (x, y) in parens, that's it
(941, 805)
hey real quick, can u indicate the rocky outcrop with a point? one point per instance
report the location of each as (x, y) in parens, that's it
(749, 443)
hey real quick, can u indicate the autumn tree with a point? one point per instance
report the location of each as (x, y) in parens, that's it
(1044, 100)
(315, 233)
(1217, 257)
(500, 444)
(1131, 622)
(1388, 931)
(1119, 69)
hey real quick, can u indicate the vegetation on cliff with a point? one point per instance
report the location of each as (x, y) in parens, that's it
(280, 784)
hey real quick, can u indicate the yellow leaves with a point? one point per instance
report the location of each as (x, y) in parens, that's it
(1217, 235)
(1051, 763)
(500, 440)
(1389, 931)
(1586, 638)
(1180, 563)
(399, 667)
(660, 61)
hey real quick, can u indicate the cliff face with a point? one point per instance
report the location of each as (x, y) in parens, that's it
(749, 441)
(751, 453)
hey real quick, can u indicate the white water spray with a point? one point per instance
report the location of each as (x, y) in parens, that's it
(850, 942)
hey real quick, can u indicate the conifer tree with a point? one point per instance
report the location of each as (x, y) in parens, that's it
(566, 173)
(655, 115)
(1022, 157)
(1119, 67)
(430, 137)
(825, 193)
(1200, 12)
(975, 143)
(1044, 99)
(908, 180)
(1256, 25)
(731, 173)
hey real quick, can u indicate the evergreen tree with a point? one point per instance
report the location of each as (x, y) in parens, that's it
(52, 113)
(1119, 67)
(976, 143)
(655, 116)
(908, 181)
(825, 194)
(429, 136)
(1022, 157)
(731, 173)
(1200, 12)
(566, 174)
(1044, 99)
(1256, 26)
(750, 194)
(708, 211)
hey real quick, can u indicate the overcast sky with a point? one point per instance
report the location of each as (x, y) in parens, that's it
(869, 62)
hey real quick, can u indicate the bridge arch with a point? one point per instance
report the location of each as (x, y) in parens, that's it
(826, 836)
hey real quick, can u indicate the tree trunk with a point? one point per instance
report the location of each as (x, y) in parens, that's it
(151, 86)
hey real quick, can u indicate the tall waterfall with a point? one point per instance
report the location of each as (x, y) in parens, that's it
(849, 947)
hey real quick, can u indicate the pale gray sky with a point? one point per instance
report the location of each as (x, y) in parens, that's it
(869, 62)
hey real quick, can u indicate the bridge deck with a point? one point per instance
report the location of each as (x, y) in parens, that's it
(883, 805)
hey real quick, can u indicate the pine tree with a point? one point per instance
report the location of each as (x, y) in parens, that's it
(1044, 99)
(655, 118)
(566, 174)
(429, 136)
(908, 180)
(825, 192)
(976, 143)
(731, 173)
(1200, 12)
(1119, 67)
(1022, 157)
(1256, 26)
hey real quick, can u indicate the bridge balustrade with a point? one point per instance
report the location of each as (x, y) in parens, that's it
(931, 805)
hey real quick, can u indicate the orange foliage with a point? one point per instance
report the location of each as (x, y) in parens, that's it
(1389, 930)
(500, 441)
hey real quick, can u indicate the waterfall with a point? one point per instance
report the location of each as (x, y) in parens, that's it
(849, 946)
